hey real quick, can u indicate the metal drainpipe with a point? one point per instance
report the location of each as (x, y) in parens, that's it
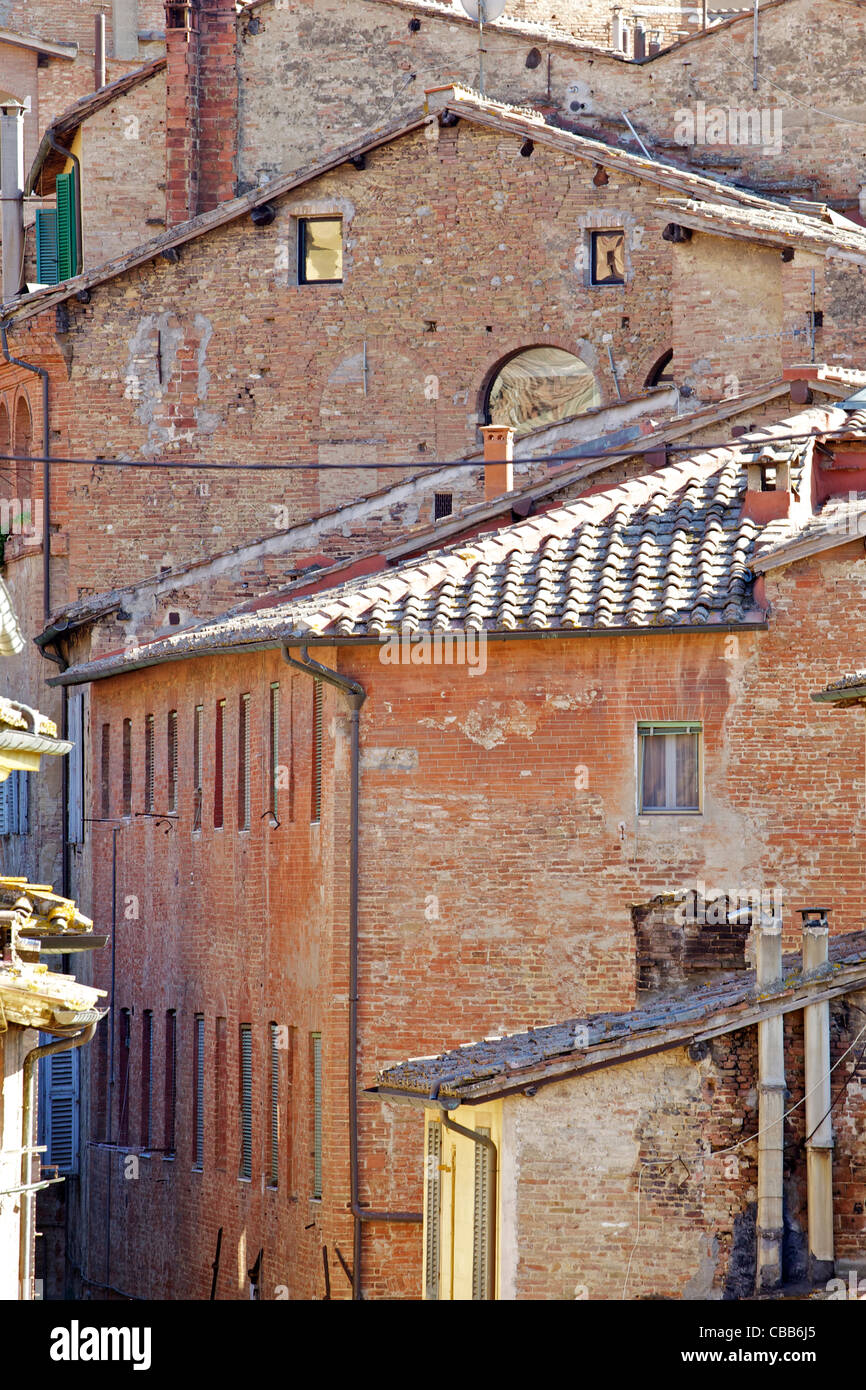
(487, 1142)
(46, 468)
(356, 695)
(771, 1105)
(27, 1197)
(61, 149)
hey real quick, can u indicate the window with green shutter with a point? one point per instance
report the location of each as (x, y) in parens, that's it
(67, 234)
(246, 1090)
(46, 246)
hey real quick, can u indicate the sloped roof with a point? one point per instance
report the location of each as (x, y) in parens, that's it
(471, 106)
(773, 226)
(669, 549)
(68, 122)
(732, 1001)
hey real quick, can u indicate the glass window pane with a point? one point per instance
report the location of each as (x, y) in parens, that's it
(687, 771)
(608, 258)
(539, 387)
(653, 772)
(322, 248)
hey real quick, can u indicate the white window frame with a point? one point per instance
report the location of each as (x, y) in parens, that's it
(648, 728)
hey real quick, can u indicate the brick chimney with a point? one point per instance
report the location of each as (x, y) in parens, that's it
(201, 106)
(498, 453)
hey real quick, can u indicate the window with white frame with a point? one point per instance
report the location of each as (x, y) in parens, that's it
(669, 768)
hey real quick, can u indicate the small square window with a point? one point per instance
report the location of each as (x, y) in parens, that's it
(443, 505)
(320, 250)
(669, 767)
(607, 258)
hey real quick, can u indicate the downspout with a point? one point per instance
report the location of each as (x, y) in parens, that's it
(356, 695)
(819, 1126)
(46, 468)
(61, 149)
(27, 1197)
(65, 876)
(771, 1119)
(487, 1142)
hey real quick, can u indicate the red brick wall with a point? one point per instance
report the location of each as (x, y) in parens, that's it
(485, 860)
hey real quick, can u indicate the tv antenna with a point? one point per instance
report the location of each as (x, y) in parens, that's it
(484, 11)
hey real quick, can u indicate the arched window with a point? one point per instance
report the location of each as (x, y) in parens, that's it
(7, 467)
(657, 374)
(23, 443)
(538, 386)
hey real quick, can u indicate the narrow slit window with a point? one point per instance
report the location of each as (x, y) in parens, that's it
(219, 764)
(246, 1094)
(197, 763)
(274, 750)
(171, 739)
(198, 1092)
(105, 772)
(244, 763)
(607, 258)
(274, 1169)
(170, 1080)
(443, 504)
(317, 1116)
(127, 767)
(316, 807)
(148, 764)
(320, 250)
(147, 1078)
(124, 1047)
(669, 767)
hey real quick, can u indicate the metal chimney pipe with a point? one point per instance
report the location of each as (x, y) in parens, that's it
(98, 52)
(819, 1127)
(771, 1104)
(12, 194)
(498, 453)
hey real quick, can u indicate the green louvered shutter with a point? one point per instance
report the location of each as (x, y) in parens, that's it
(46, 246)
(67, 241)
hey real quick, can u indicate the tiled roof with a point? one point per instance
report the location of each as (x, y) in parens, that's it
(495, 1061)
(670, 549)
(772, 226)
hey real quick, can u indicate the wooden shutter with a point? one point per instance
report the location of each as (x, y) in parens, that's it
(23, 803)
(127, 767)
(123, 1087)
(60, 1110)
(433, 1209)
(219, 759)
(246, 1168)
(146, 1078)
(316, 808)
(67, 231)
(46, 246)
(274, 1175)
(170, 1078)
(317, 1116)
(12, 786)
(75, 803)
(244, 763)
(198, 1093)
(148, 764)
(197, 762)
(274, 749)
(172, 762)
(105, 774)
(482, 1228)
(4, 805)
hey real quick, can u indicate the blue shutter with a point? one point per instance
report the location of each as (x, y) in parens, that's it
(46, 246)
(59, 1110)
(67, 239)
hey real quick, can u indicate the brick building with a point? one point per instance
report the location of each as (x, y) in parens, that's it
(691, 603)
